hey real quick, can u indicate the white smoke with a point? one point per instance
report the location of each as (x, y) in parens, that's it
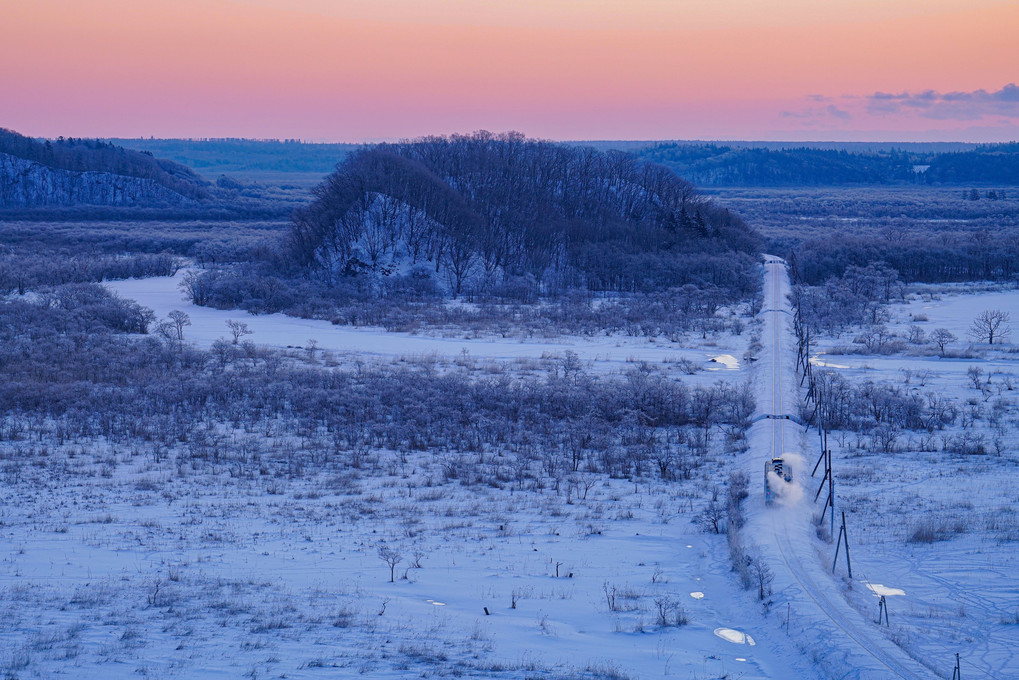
(788, 494)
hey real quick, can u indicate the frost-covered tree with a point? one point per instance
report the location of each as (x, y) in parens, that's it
(991, 325)
(942, 337)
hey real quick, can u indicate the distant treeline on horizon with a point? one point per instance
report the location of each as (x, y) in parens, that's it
(704, 163)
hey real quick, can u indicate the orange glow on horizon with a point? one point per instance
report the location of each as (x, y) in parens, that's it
(230, 68)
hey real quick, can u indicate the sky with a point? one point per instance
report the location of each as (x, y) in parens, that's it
(334, 70)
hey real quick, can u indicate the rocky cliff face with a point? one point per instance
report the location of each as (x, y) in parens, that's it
(27, 184)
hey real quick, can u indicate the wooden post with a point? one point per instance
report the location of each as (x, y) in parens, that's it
(818, 463)
(806, 425)
(845, 537)
(831, 498)
(823, 480)
(837, 546)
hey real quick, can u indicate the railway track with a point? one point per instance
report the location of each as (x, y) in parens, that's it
(878, 657)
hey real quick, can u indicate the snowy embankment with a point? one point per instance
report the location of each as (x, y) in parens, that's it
(606, 353)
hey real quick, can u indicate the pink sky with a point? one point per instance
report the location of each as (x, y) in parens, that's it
(566, 69)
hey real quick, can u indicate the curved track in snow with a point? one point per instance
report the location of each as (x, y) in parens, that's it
(812, 592)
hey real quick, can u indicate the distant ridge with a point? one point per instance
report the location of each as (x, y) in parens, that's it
(75, 172)
(705, 163)
(852, 147)
(764, 164)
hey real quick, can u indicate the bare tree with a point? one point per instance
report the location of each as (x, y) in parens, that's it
(762, 576)
(198, 286)
(237, 329)
(391, 557)
(916, 335)
(990, 324)
(178, 320)
(941, 337)
(710, 519)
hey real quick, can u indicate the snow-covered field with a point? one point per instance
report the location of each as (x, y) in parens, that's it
(133, 561)
(935, 518)
(161, 573)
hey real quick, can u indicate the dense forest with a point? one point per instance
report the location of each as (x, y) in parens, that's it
(488, 210)
(929, 258)
(725, 165)
(94, 155)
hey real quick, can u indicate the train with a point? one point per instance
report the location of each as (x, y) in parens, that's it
(777, 467)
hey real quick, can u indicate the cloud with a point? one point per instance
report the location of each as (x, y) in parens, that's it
(818, 113)
(836, 112)
(972, 105)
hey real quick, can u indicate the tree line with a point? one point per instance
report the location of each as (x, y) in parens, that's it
(21, 271)
(922, 258)
(725, 165)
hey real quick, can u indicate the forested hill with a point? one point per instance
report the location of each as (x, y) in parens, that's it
(488, 210)
(723, 165)
(69, 172)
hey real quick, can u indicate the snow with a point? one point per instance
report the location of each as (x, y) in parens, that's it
(880, 590)
(824, 622)
(606, 353)
(818, 361)
(139, 565)
(144, 565)
(735, 636)
(291, 565)
(958, 592)
(727, 360)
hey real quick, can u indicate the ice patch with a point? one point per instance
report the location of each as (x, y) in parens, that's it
(884, 590)
(437, 604)
(735, 636)
(727, 360)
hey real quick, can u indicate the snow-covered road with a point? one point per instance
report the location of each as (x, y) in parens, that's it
(846, 643)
